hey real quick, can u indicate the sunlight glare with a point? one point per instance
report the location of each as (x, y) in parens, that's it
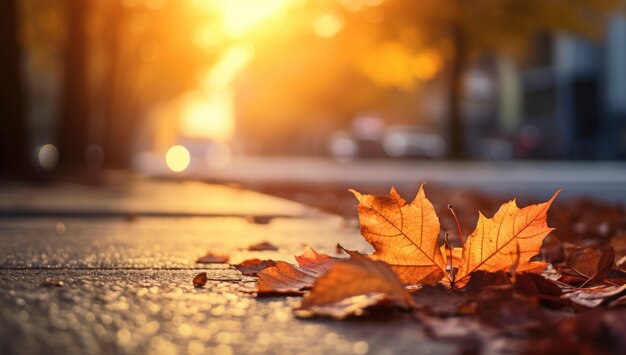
(229, 65)
(238, 18)
(209, 116)
(327, 25)
(177, 158)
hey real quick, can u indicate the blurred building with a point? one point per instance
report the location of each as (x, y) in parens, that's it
(567, 100)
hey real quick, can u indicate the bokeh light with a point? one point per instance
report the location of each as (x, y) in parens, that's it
(48, 156)
(177, 158)
(427, 64)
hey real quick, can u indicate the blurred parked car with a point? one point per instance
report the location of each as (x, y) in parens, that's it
(413, 142)
(402, 141)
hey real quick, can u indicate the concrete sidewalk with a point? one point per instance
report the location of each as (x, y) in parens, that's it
(87, 270)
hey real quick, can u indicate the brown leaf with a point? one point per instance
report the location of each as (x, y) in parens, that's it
(252, 267)
(212, 258)
(315, 262)
(510, 312)
(480, 280)
(618, 242)
(287, 278)
(284, 278)
(263, 246)
(588, 264)
(595, 296)
(352, 285)
(441, 301)
(405, 236)
(544, 290)
(493, 244)
(597, 332)
(200, 280)
(52, 283)
(552, 250)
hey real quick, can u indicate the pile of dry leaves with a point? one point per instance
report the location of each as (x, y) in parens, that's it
(510, 275)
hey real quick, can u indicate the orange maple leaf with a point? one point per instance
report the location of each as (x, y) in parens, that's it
(314, 262)
(352, 285)
(493, 246)
(405, 236)
(286, 278)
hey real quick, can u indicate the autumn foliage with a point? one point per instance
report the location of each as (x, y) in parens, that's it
(407, 237)
(498, 273)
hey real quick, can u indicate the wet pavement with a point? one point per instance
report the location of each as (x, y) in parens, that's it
(109, 270)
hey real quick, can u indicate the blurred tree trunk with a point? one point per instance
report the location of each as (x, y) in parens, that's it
(118, 124)
(74, 108)
(14, 143)
(458, 65)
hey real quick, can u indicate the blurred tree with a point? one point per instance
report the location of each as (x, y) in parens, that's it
(151, 58)
(14, 142)
(462, 30)
(74, 110)
(121, 58)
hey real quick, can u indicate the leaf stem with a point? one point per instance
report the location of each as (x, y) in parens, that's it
(458, 225)
(451, 275)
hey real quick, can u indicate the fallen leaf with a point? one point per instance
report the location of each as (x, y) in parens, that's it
(481, 280)
(200, 280)
(595, 296)
(212, 258)
(596, 332)
(493, 244)
(546, 291)
(457, 255)
(259, 219)
(52, 283)
(618, 242)
(263, 246)
(441, 301)
(252, 267)
(352, 285)
(284, 278)
(587, 264)
(552, 250)
(287, 278)
(315, 262)
(510, 312)
(405, 236)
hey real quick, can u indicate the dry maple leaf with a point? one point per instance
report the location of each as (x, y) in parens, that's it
(493, 244)
(352, 285)
(284, 278)
(594, 296)
(200, 280)
(587, 264)
(263, 246)
(404, 235)
(252, 267)
(287, 278)
(212, 258)
(315, 262)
